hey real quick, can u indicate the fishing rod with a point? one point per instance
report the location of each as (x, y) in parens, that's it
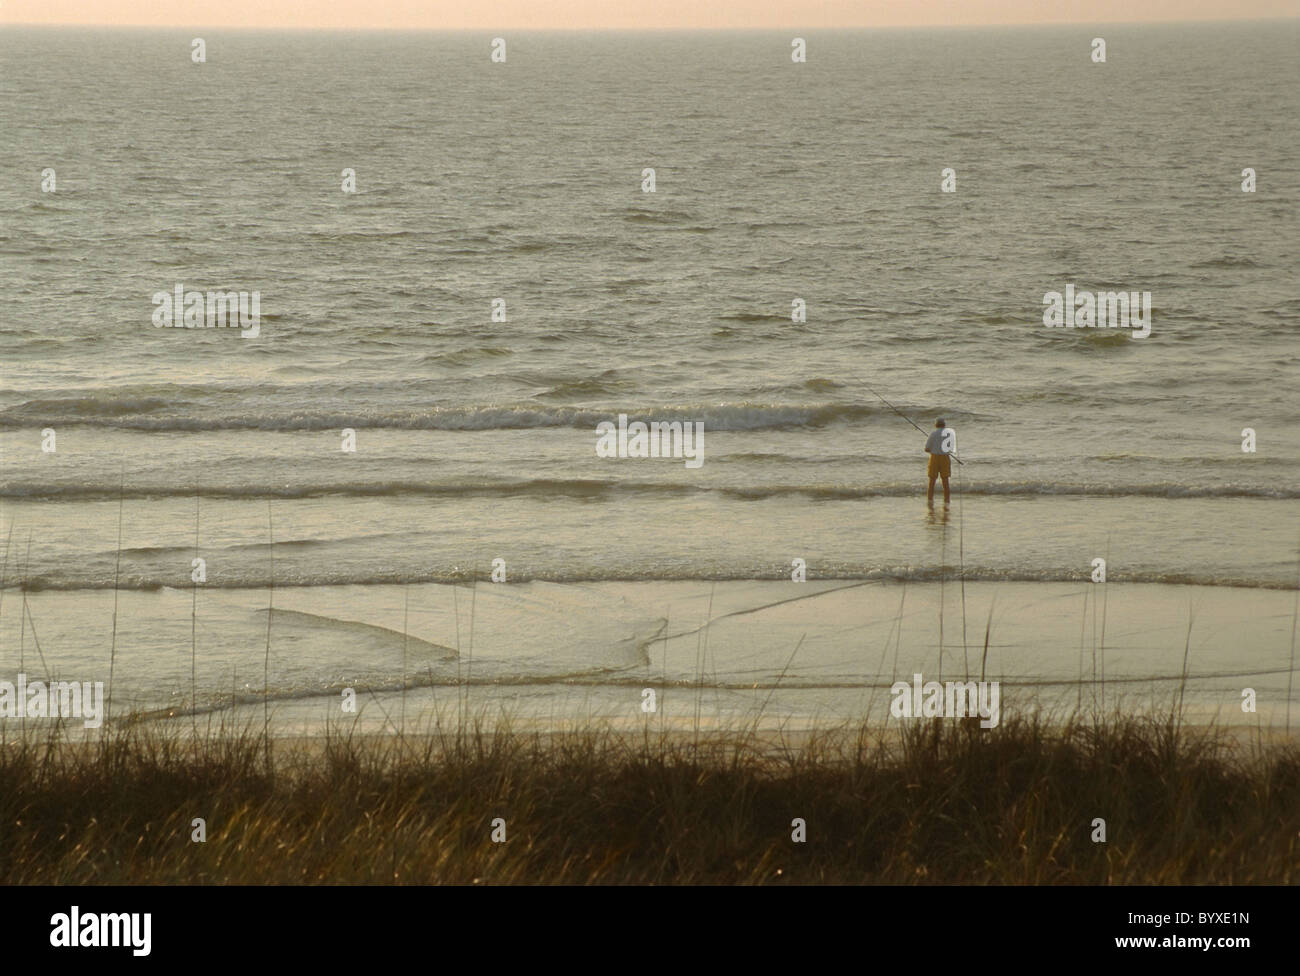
(907, 418)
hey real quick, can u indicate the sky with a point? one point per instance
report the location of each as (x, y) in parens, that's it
(625, 14)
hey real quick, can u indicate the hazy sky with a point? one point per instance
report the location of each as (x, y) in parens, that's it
(645, 14)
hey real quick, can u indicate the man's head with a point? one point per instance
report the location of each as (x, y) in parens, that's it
(938, 423)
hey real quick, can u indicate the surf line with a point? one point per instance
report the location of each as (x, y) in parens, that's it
(907, 418)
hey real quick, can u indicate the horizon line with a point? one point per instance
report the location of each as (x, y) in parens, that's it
(651, 30)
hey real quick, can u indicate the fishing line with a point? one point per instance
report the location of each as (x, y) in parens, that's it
(907, 418)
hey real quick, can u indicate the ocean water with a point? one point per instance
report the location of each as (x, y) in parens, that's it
(475, 438)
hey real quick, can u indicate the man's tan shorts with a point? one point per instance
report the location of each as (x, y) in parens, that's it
(940, 466)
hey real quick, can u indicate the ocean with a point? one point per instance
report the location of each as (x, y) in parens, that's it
(501, 282)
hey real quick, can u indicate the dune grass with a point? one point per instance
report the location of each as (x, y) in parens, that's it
(924, 802)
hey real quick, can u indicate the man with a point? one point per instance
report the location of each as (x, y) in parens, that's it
(938, 445)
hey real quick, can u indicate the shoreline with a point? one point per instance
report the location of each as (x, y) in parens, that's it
(792, 655)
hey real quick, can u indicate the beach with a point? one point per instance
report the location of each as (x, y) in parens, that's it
(396, 482)
(717, 655)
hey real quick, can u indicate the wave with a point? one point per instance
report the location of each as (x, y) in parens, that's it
(110, 411)
(639, 216)
(312, 622)
(820, 384)
(1227, 261)
(151, 552)
(86, 408)
(367, 691)
(542, 487)
(589, 488)
(1106, 340)
(287, 578)
(466, 356)
(607, 384)
(754, 317)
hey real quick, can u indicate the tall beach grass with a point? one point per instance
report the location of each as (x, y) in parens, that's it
(922, 802)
